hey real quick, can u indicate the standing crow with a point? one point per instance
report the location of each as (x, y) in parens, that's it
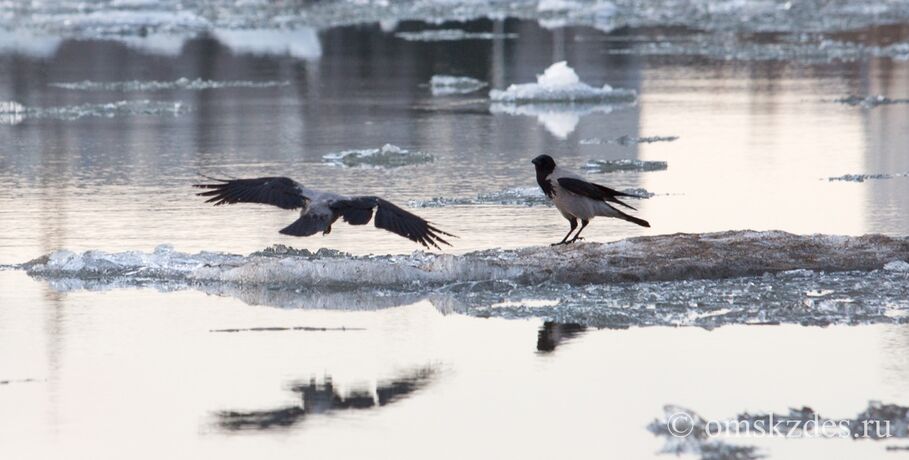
(321, 209)
(576, 198)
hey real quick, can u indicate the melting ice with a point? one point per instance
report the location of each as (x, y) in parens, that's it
(388, 156)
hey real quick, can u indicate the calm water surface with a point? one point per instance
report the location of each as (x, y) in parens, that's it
(139, 373)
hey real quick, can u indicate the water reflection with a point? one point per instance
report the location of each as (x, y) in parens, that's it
(553, 334)
(324, 398)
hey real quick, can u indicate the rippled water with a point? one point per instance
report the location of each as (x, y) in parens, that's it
(105, 122)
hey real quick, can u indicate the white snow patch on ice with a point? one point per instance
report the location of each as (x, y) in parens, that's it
(560, 83)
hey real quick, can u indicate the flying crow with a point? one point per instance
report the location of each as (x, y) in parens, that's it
(577, 199)
(321, 209)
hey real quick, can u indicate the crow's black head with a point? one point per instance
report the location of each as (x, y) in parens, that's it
(544, 164)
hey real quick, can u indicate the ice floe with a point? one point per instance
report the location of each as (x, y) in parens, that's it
(438, 35)
(447, 85)
(627, 140)
(517, 196)
(651, 258)
(388, 156)
(13, 112)
(870, 102)
(154, 85)
(560, 83)
(700, 280)
(625, 164)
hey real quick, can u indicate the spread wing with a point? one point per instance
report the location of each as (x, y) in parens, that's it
(282, 192)
(359, 210)
(593, 191)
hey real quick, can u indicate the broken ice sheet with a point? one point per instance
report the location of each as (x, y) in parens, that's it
(154, 85)
(516, 196)
(13, 112)
(447, 85)
(627, 140)
(388, 156)
(870, 102)
(608, 166)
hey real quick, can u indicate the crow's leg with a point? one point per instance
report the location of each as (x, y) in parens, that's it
(574, 225)
(577, 235)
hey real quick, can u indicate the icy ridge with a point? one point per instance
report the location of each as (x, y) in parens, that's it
(651, 258)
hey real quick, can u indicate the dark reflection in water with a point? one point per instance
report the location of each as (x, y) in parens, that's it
(323, 398)
(552, 335)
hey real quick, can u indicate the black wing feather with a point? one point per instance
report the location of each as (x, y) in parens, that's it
(355, 211)
(593, 191)
(358, 211)
(282, 192)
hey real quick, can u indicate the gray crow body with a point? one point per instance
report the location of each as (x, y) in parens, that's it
(578, 199)
(319, 210)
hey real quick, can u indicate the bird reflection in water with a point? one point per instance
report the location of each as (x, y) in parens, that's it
(552, 335)
(324, 398)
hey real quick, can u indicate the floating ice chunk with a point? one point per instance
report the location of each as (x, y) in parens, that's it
(15, 113)
(518, 196)
(301, 43)
(446, 85)
(560, 83)
(438, 35)
(897, 266)
(389, 156)
(870, 102)
(607, 166)
(864, 177)
(651, 258)
(154, 85)
(628, 140)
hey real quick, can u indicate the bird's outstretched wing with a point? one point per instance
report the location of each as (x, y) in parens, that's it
(282, 192)
(593, 191)
(359, 210)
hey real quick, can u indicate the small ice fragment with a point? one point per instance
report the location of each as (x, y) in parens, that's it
(863, 177)
(870, 102)
(628, 140)
(446, 85)
(154, 85)
(607, 166)
(450, 35)
(389, 156)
